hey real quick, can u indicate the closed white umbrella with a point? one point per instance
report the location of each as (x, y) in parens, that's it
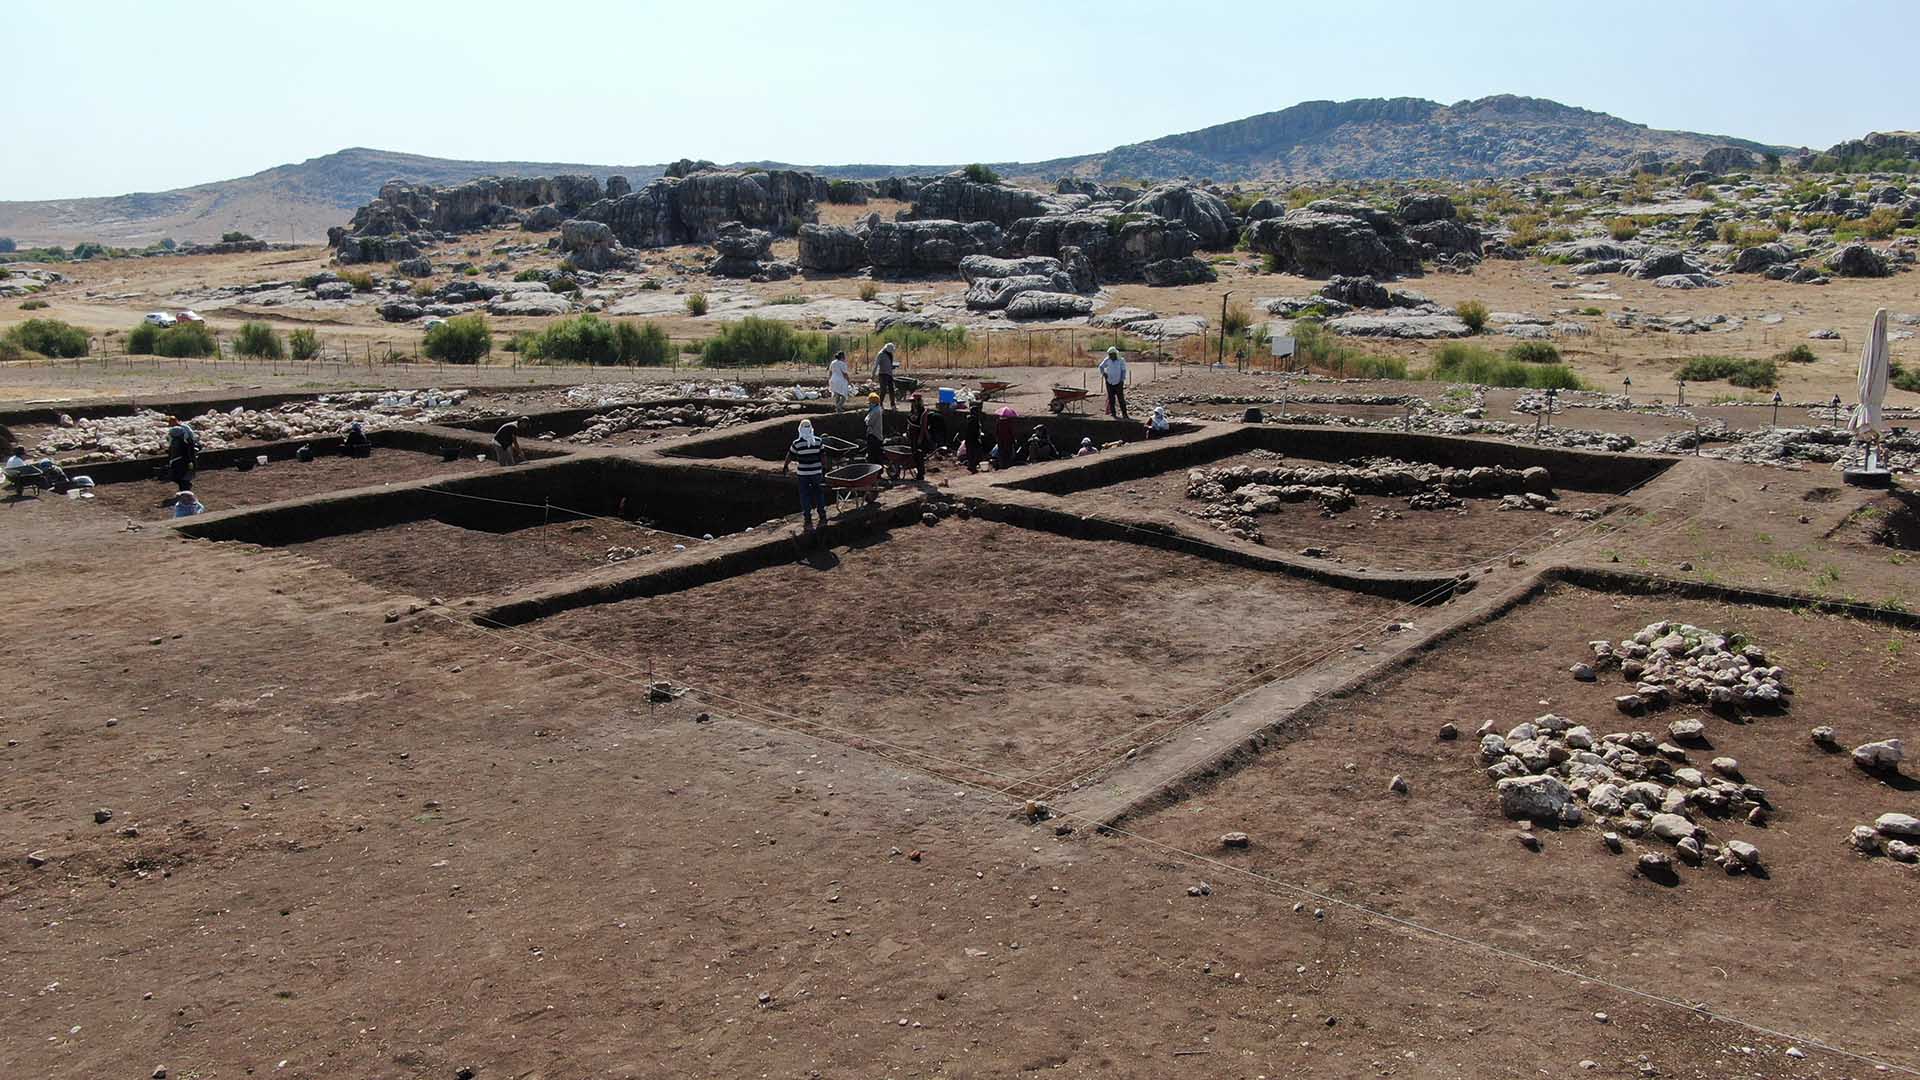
(1866, 420)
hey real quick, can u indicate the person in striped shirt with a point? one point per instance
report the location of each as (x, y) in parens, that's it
(806, 456)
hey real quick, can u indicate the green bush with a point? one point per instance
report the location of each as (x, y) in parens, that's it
(769, 341)
(1592, 311)
(89, 250)
(32, 305)
(589, 339)
(1460, 362)
(1903, 379)
(303, 344)
(563, 283)
(530, 275)
(1237, 319)
(910, 339)
(1473, 313)
(49, 337)
(463, 339)
(1753, 374)
(868, 290)
(1622, 228)
(361, 280)
(696, 303)
(980, 174)
(1270, 263)
(234, 237)
(257, 339)
(1318, 349)
(1799, 354)
(179, 340)
(1534, 352)
(642, 344)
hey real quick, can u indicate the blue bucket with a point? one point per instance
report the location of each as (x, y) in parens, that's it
(949, 396)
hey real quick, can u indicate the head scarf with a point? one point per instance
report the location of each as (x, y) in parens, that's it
(1006, 412)
(806, 433)
(1159, 416)
(1113, 350)
(888, 347)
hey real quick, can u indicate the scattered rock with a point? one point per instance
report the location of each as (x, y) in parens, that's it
(1882, 756)
(1234, 840)
(1536, 798)
(1398, 785)
(1900, 826)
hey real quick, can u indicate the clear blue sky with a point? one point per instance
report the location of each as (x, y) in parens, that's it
(103, 98)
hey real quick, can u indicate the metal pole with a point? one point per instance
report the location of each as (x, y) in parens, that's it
(1221, 359)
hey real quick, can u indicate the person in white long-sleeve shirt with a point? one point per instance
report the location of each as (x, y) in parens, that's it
(839, 381)
(1114, 371)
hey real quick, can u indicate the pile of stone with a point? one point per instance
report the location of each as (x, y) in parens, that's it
(1897, 836)
(642, 418)
(1635, 783)
(1464, 423)
(1786, 446)
(1673, 661)
(1233, 496)
(1379, 476)
(144, 434)
(608, 394)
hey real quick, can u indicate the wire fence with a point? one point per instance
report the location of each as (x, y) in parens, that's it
(348, 357)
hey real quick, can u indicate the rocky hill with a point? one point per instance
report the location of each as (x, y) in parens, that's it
(1378, 138)
(1316, 140)
(297, 201)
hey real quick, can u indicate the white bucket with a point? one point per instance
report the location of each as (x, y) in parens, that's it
(260, 458)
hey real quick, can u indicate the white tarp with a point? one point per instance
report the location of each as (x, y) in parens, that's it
(1866, 419)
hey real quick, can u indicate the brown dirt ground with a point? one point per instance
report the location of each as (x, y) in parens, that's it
(1825, 923)
(1379, 533)
(224, 489)
(371, 849)
(398, 850)
(433, 558)
(1015, 649)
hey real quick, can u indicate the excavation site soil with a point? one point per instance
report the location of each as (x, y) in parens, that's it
(310, 810)
(989, 651)
(1376, 532)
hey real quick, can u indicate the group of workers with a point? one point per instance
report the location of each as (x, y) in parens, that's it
(927, 432)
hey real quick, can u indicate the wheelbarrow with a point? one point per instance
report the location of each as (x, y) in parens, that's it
(854, 483)
(1068, 399)
(991, 388)
(838, 449)
(898, 458)
(905, 384)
